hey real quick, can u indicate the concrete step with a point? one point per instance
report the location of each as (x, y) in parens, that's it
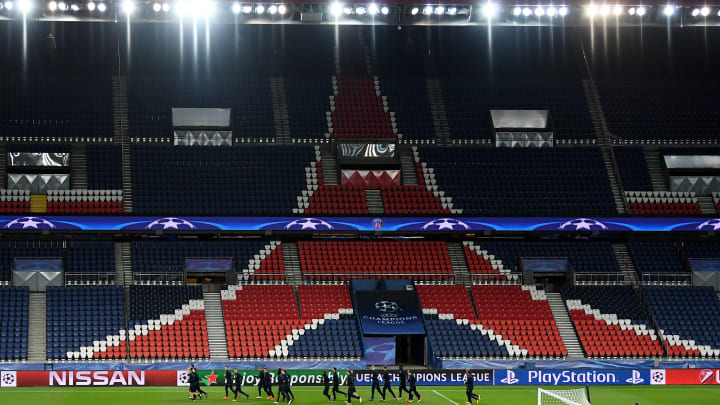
(565, 326)
(655, 168)
(291, 259)
(459, 264)
(217, 339)
(37, 345)
(374, 202)
(625, 262)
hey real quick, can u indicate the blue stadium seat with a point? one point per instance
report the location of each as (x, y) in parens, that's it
(14, 323)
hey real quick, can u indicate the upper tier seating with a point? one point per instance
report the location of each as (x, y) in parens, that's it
(522, 316)
(702, 249)
(14, 201)
(104, 167)
(11, 249)
(662, 203)
(70, 107)
(483, 265)
(307, 101)
(656, 257)
(411, 200)
(357, 110)
(688, 318)
(262, 321)
(151, 99)
(342, 260)
(337, 200)
(469, 101)
(634, 172)
(408, 98)
(167, 322)
(241, 180)
(84, 202)
(661, 109)
(85, 323)
(13, 323)
(446, 299)
(611, 321)
(531, 181)
(584, 256)
(256, 259)
(90, 257)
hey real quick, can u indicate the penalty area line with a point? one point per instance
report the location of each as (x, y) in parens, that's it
(446, 398)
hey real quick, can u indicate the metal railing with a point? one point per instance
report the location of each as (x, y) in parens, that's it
(666, 278)
(89, 278)
(373, 275)
(599, 278)
(158, 278)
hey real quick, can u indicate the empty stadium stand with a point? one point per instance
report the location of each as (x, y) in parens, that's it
(84, 202)
(482, 264)
(13, 323)
(633, 167)
(90, 257)
(25, 248)
(656, 257)
(104, 167)
(342, 260)
(612, 322)
(167, 322)
(247, 180)
(263, 321)
(688, 319)
(85, 323)
(530, 181)
(662, 203)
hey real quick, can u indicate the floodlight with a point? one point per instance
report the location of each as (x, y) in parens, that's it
(128, 6)
(91, 6)
(539, 11)
(9, 5)
(527, 12)
(102, 7)
(551, 11)
(705, 11)
(347, 10)
(631, 11)
(336, 9)
(52, 6)
(282, 9)
(592, 10)
(489, 10)
(272, 9)
(517, 11)
(373, 9)
(414, 11)
(563, 11)
(247, 9)
(260, 9)
(452, 11)
(427, 10)
(360, 10)
(74, 7)
(641, 11)
(166, 7)
(618, 10)
(236, 8)
(439, 10)
(605, 10)
(385, 10)
(62, 6)
(157, 7)
(669, 10)
(24, 6)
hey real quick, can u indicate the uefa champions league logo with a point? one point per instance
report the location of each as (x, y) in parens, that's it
(583, 224)
(445, 224)
(386, 306)
(30, 223)
(710, 225)
(304, 224)
(171, 223)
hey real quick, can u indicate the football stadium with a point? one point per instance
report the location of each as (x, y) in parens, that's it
(444, 202)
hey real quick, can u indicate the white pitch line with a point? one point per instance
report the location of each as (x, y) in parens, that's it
(448, 399)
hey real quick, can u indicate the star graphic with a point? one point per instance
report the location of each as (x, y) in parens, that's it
(212, 378)
(30, 223)
(583, 225)
(308, 225)
(445, 225)
(171, 224)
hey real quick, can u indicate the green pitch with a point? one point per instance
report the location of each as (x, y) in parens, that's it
(440, 395)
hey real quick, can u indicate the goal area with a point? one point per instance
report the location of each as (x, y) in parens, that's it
(578, 396)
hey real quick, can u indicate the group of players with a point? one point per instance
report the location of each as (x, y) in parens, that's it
(408, 383)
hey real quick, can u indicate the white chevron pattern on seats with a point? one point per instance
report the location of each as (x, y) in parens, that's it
(87, 352)
(496, 263)
(612, 319)
(311, 184)
(166, 319)
(281, 350)
(254, 263)
(689, 344)
(431, 184)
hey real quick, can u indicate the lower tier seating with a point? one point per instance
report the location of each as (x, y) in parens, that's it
(521, 315)
(421, 261)
(611, 321)
(14, 323)
(85, 323)
(688, 319)
(167, 322)
(458, 338)
(262, 321)
(482, 265)
(446, 299)
(412, 200)
(662, 203)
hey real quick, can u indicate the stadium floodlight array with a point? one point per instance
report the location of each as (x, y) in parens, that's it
(577, 396)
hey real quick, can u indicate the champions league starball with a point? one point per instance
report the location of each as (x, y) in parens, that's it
(30, 223)
(170, 223)
(583, 224)
(304, 224)
(445, 224)
(710, 225)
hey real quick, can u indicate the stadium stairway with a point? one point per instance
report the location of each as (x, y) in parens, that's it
(78, 167)
(652, 156)
(291, 259)
(119, 268)
(127, 178)
(120, 109)
(281, 117)
(438, 110)
(3, 166)
(329, 167)
(408, 169)
(459, 263)
(374, 202)
(565, 326)
(707, 205)
(37, 336)
(126, 263)
(625, 262)
(217, 340)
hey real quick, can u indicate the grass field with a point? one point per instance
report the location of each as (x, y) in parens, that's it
(440, 395)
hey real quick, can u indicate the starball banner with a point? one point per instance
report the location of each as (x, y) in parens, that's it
(389, 313)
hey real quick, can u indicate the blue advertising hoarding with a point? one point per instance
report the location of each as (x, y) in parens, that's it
(380, 351)
(208, 264)
(389, 313)
(704, 264)
(572, 377)
(37, 264)
(388, 224)
(552, 265)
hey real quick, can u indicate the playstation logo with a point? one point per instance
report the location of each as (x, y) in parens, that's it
(510, 379)
(635, 379)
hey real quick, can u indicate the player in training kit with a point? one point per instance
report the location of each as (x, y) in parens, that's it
(268, 384)
(386, 384)
(197, 384)
(228, 382)
(283, 387)
(336, 384)
(413, 380)
(261, 382)
(469, 386)
(289, 386)
(191, 381)
(238, 382)
(351, 392)
(403, 382)
(326, 383)
(375, 384)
